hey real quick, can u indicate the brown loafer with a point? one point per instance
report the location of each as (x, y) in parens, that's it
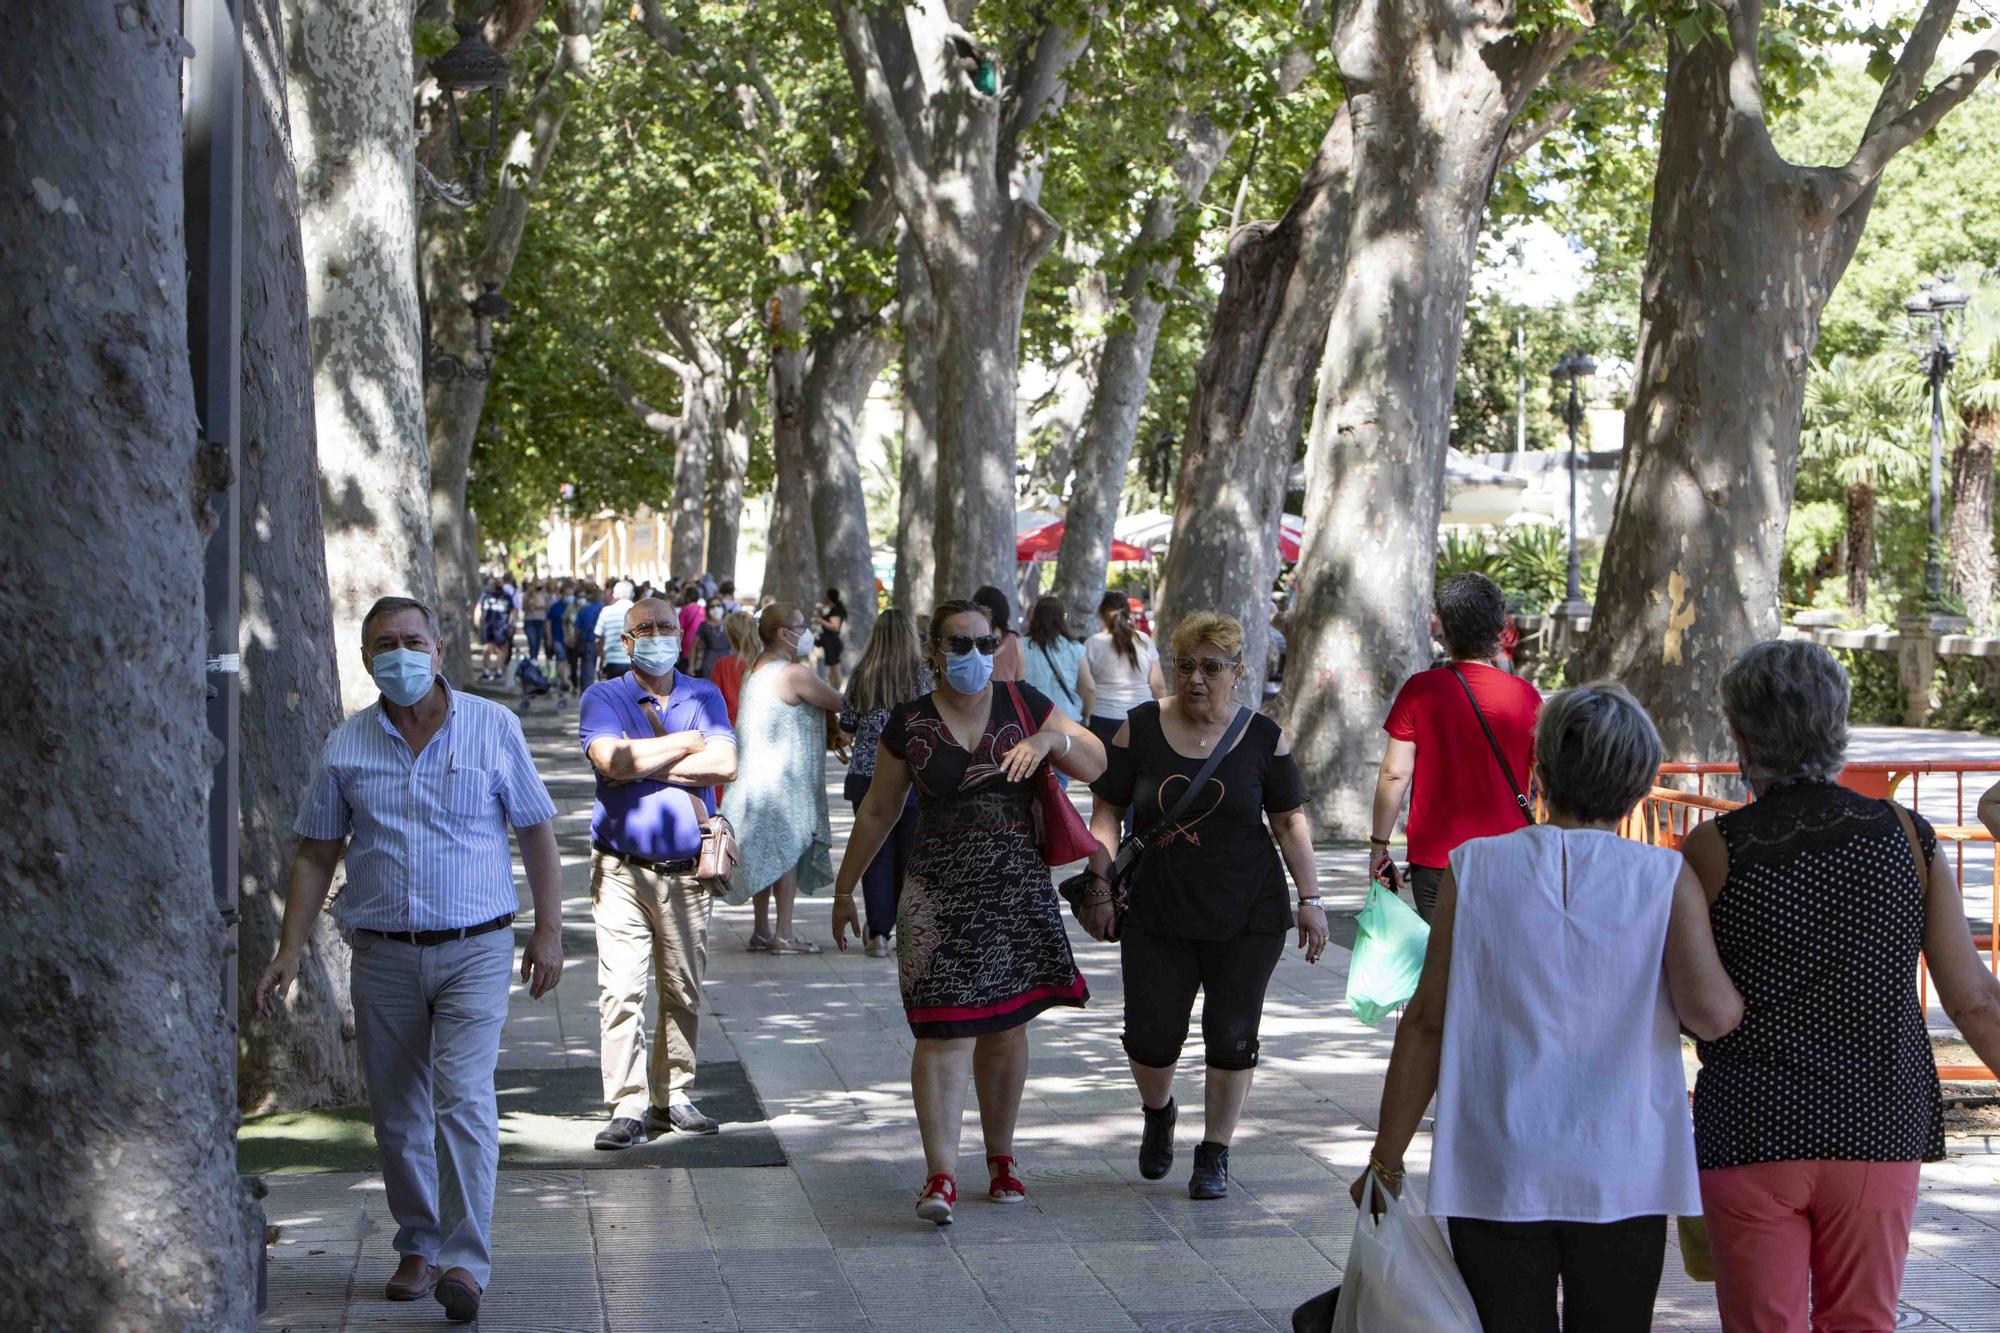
(459, 1295)
(413, 1281)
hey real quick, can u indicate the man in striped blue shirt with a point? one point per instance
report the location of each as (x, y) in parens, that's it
(419, 790)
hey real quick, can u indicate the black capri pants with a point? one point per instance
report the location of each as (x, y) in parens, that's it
(1163, 973)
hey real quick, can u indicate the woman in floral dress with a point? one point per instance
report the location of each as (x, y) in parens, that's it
(981, 947)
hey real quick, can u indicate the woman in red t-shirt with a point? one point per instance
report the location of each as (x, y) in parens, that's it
(1439, 754)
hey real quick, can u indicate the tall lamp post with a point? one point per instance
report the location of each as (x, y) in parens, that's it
(1934, 310)
(1570, 372)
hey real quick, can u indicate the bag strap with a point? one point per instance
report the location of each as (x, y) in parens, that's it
(1056, 675)
(651, 711)
(1207, 770)
(1520, 800)
(1916, 846)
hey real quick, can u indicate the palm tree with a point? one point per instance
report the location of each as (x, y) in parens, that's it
(1973, 417)
(1860, 427)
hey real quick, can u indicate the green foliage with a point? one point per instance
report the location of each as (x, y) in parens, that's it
(1966, 691)
(1874, 692)
(1462, 552)
(1935, 209)
(1812, 569)
(1529, 561)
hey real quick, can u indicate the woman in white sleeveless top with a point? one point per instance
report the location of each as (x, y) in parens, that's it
(1563, 962)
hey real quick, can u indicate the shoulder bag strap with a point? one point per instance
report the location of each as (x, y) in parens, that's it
(1916, 845)
(1520, 800)
(651, 710)
(1055, 674)
(1207, 770)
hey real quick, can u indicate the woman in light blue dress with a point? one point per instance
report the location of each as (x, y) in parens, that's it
(777, 804)
(1054, 664)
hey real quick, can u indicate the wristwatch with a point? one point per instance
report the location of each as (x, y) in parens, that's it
(1313, 901)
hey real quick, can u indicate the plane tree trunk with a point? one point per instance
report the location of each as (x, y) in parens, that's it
(847, 358)
(350, 92)
(291, 688)
(968, 183)
(120, 1206)
(1745, 249)
(916, 501)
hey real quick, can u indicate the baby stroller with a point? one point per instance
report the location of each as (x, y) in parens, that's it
(533, 681)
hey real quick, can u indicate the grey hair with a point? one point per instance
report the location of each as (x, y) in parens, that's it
(389, 606)
(621, 591)
(1787, 700)
(1597, 750)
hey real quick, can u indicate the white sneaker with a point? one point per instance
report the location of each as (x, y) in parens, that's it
(878, 946)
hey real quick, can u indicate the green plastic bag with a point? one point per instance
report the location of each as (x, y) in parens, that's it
(1390, 939)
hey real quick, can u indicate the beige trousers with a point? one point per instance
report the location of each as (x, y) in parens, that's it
(647, 922)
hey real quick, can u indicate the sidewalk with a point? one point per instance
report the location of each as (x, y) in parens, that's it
(828, 1241)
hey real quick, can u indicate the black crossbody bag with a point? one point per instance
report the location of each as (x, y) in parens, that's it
(1136, 843)
(1520, 797)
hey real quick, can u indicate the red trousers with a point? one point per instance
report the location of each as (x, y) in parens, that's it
(1838, 1229)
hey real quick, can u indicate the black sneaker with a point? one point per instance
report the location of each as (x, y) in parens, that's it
(681, 1118)
(622, 1132)
(1156, 1145)
(1211, 1171)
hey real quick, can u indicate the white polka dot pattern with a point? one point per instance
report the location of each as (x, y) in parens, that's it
(1820, 923)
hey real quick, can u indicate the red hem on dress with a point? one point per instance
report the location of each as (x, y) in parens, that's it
(1072, 990)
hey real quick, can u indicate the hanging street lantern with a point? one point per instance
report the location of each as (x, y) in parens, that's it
(488, 308)
(469, 70)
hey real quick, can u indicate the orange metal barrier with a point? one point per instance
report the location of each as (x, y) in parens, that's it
(1668, 814)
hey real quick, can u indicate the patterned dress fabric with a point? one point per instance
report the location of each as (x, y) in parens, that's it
(980, 941)
(1819, 924)
(778, 802)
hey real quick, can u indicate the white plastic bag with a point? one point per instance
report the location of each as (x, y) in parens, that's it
(1400, 1277)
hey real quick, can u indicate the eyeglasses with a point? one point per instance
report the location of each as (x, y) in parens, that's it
(958, 645)
(647, 629)
(1210, 666)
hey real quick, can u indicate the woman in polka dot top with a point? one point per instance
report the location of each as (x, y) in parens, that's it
(1812, 1116)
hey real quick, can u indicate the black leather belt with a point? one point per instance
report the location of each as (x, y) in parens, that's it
(684, 866)
(424, 939)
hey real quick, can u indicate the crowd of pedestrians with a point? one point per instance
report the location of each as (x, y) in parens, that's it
(1564, 961)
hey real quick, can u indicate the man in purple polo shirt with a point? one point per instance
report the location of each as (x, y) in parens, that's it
(658, 740)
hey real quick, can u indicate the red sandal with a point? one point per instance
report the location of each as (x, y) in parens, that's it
(1006, 1186)
(934, 1202)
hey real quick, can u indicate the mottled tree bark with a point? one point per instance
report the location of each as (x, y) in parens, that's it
(120, 1206)
(1252, 389)
(847, 358)
(291, 688)
(791, 564)
(349, 86)
(1858, 559)
(1104, 451)
(728, 466)
(453, 275)
(1744, 251)
(1432, 95)
(967, 181)
(1970, 540)
(916, 503)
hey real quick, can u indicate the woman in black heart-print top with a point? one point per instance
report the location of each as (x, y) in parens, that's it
(1209, 910)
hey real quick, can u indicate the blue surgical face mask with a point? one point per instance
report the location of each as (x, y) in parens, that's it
(404, 675)
(968, 672)
(656, 655)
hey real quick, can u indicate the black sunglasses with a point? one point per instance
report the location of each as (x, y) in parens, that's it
(958, 645)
